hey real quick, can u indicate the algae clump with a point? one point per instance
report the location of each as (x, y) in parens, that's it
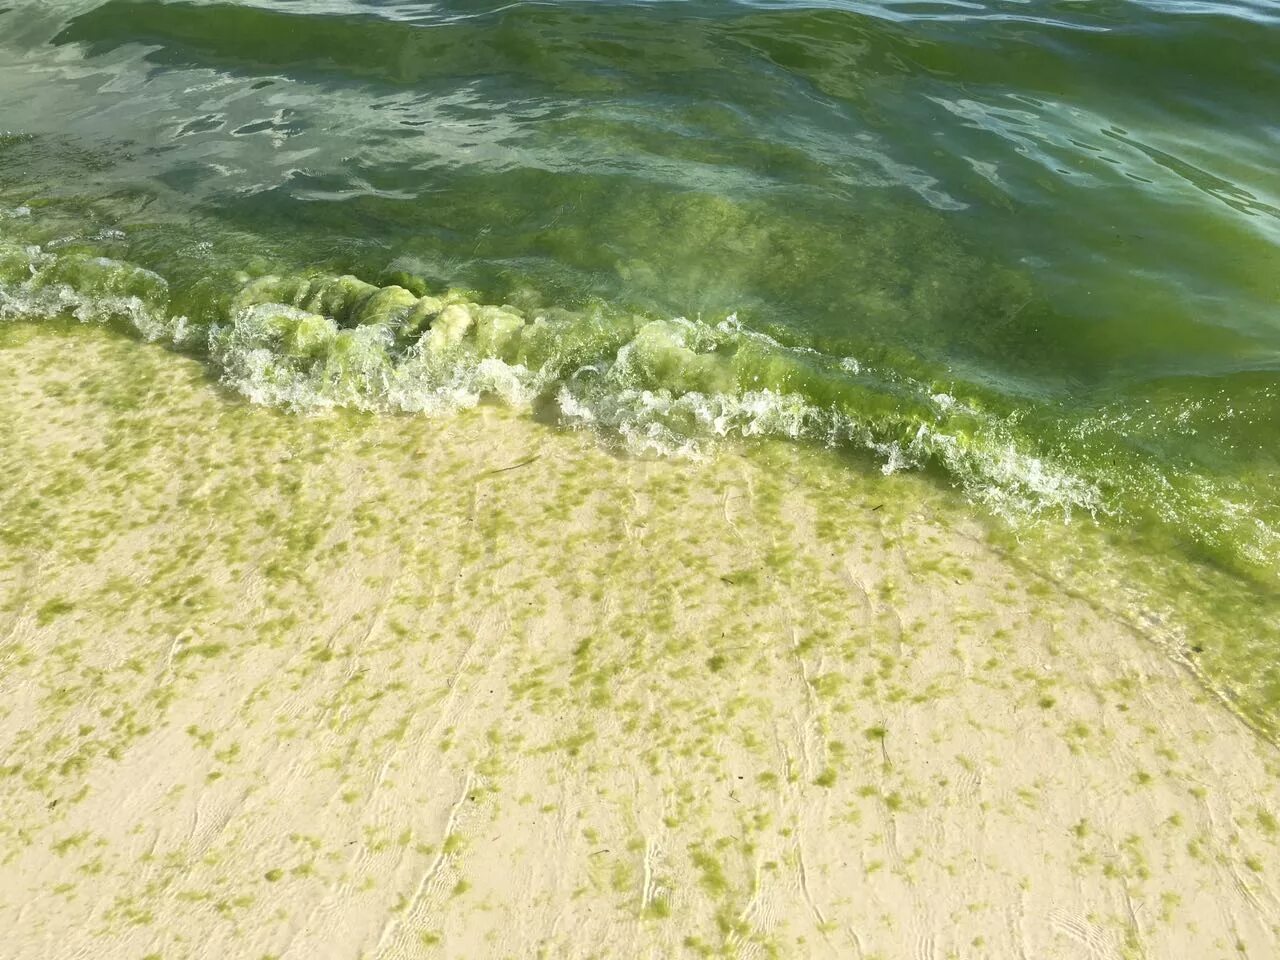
(388, 306)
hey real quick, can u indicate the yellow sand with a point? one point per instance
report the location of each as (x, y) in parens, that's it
(273, 686)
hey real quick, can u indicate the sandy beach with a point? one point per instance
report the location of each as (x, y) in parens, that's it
(381, 687)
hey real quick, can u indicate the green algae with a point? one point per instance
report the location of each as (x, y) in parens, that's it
(638, 667)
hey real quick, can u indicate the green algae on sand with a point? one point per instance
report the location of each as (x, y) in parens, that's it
(266, 666)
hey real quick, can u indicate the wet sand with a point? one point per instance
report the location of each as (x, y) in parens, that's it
(275, 686)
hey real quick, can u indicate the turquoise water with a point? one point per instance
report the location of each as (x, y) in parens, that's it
(1032, 248)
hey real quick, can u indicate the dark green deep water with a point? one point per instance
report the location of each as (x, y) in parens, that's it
(1031, 247)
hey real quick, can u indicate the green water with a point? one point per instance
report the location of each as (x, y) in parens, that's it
(1030, 248)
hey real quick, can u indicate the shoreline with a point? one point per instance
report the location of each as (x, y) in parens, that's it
(291, 687)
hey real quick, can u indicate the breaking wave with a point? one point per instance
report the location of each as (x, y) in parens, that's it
(666, 386)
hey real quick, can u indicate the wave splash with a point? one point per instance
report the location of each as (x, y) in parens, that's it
(665, 386)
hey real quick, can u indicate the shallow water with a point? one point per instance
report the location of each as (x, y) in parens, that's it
(1030, 248)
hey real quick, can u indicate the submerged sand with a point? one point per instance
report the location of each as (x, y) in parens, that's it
(377, 687)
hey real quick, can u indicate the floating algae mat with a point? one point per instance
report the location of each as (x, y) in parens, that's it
(1015, 270)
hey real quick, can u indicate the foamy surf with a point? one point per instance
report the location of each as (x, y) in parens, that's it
(670, 387)
(661, 386)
